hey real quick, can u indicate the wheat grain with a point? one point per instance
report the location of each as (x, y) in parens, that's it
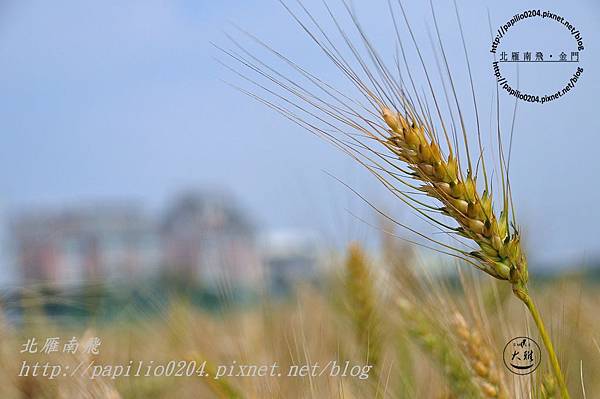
(479, 357)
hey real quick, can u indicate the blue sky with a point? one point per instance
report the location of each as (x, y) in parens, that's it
(124, 100)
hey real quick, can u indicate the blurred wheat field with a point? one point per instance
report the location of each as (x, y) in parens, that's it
(424, 336)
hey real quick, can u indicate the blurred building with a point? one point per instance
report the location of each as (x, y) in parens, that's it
(207, 237)
(203, 237)
(69, 246)
(290, 257)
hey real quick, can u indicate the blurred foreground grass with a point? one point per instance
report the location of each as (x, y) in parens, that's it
(424, 336)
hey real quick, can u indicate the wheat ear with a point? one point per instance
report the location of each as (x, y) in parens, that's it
(433, 340)
(363, 307)
(500, 253)
(548, 389)
(480, 359)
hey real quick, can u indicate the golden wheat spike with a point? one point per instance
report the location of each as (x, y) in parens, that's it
(500, 251)
(432, 338)
(362, 299)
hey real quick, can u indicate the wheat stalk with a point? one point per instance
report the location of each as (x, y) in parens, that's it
(394, 135)
(500, 254)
